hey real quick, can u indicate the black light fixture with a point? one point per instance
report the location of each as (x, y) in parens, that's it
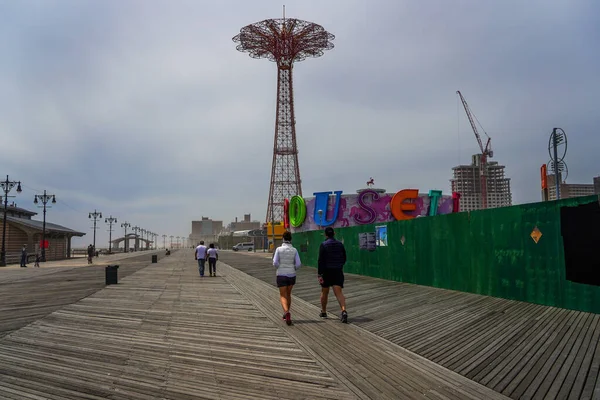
(96, 215)
(44, 198)
(6, 185)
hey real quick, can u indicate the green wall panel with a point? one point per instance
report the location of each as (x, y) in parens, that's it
(488, 252)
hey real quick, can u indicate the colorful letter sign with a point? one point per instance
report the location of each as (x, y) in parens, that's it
(366, 207)
(296, 211)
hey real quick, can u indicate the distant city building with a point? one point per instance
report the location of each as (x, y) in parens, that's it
(206, 229)
(467, 182)
(245, 225)
(568, 190)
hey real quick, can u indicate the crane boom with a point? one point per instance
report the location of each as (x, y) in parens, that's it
(485, 151)
(471, 120)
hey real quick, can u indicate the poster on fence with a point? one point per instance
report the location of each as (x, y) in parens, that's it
(381, 233)
(371, 241)
(362, 241)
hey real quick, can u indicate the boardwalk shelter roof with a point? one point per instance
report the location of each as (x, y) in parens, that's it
(22, 230)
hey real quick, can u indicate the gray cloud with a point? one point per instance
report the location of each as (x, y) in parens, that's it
(147, 112)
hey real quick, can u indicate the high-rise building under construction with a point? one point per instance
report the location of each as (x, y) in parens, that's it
(467, 181)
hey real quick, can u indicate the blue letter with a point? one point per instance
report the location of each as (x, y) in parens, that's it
(321, 203)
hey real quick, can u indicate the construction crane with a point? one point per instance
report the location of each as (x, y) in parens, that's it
(485, 151)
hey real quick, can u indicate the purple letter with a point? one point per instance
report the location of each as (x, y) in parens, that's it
(372, 214)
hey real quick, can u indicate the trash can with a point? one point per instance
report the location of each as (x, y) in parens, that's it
(111, 274)
(154, 258)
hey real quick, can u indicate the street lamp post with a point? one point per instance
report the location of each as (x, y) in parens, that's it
(6, 187)
(142, 231)
(44, 198)
(110, 221)
(135, 230)
(171, 240)
(164, 241)
(95, 215)
(125, 243)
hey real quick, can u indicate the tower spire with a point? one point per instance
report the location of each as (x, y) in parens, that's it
(301, 40)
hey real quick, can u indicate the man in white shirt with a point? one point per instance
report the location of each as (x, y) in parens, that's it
(200, 255)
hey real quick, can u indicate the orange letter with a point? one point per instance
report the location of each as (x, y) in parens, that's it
(398, 205)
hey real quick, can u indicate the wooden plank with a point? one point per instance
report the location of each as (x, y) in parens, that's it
(329, 341)
(501, 343)
(162, 332)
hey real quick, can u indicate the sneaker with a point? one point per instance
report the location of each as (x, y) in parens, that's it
(323, 315)
(288, 318)
(344, 317)
(283, 316)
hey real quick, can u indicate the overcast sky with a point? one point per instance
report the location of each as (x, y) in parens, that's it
(145, 111)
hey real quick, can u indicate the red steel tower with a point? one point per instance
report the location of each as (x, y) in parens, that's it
(284, 41)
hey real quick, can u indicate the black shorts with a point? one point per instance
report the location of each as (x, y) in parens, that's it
(283, 281)
(333, 277)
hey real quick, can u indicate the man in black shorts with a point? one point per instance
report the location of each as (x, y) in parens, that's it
(332, 257)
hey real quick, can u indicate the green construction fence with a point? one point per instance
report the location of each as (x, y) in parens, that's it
(489, 252)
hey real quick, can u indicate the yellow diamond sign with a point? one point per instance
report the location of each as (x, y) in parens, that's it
(536, 234)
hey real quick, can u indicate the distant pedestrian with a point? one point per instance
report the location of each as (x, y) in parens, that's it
(200, 255)
(287, 261)
(90, 253)
(332, 257)
(24, 256)
(37, 259)
(213, 256)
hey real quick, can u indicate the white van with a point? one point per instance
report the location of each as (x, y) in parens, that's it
(244, 246)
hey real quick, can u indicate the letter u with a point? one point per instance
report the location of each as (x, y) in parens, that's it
(321, 203)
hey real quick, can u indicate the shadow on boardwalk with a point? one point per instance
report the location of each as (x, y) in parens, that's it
(522, 350)
(164, 332)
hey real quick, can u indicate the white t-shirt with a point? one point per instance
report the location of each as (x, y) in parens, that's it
(212, 253)
(201, 252)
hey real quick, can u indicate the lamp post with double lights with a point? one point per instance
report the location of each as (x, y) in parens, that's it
(171, 241)
(96, 215)
(142, 233)
(110, 221)
(164, 241)
(44, 198)
(7, 185)
(320, 218)
(135, 230)
(125, 242)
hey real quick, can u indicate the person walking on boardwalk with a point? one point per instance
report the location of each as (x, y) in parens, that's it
(90, 252)
(37, 259)
(24, 256)
(332, 257)
(213, 256)
(200, 255)
(287, 261)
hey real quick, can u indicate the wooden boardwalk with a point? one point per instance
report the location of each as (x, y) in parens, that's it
(28, 294)
(165, 333)
(522, 350)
